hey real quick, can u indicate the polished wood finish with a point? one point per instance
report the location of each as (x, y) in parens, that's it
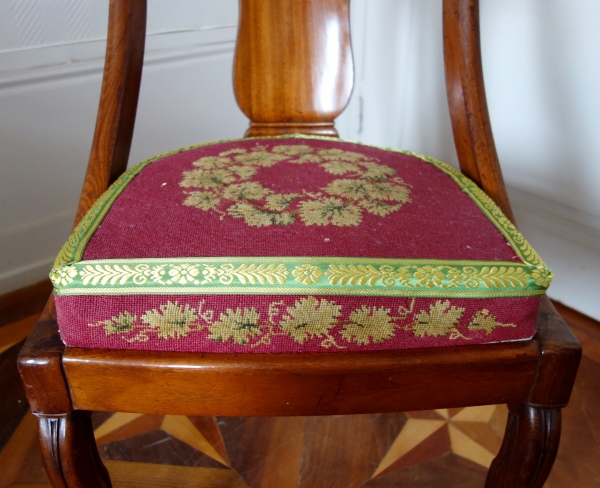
(529, 448)
(69, 452)
(40, 366)
(466, 98)
(327, 383)
(293, 65)
(560, 355)
(307, 384)
(118, 100)
(297, 81)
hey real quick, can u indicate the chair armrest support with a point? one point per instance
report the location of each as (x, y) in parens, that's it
(118, 100)
(469, 114)
(40, 366)
(561, 353)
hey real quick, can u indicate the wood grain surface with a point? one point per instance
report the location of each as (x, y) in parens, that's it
(469, 114)
(298, 76)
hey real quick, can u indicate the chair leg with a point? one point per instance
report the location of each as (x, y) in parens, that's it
(70, 454)
(529, 448)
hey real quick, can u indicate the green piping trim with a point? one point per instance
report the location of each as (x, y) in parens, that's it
(74, 248)
(355, 276)
(259, 290)
(301, 275)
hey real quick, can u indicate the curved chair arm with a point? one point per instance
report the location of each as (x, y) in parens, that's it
(471, 126)
(118, 100)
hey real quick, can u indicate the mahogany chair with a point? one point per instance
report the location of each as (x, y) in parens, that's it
(64, 384)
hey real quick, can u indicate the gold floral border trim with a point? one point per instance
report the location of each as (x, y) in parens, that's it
(71, 276)
(301, 275)
(310, 318)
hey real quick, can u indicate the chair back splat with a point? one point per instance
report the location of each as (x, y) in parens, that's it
(293, 65)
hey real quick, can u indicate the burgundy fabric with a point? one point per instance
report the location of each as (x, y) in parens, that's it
(149, 219)
(77, 315)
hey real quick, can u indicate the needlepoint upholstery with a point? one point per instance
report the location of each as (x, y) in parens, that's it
(295, 244)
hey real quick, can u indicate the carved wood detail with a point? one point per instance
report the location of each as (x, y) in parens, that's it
(69, 452)
(529, 448)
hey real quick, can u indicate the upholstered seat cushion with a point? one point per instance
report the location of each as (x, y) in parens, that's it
(295, 244)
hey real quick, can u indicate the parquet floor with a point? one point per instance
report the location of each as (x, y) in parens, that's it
(441, 448)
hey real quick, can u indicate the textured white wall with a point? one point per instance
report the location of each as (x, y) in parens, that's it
(542, 73)
(50, 72)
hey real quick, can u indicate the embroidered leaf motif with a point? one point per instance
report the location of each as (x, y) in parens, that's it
(245, 191)
(330, 210)
(235, 150)
(354, 189)
(244, 172)
(279, 202)
(339, 154)
(121, 324)
(260, 218)
(260, 157)
(307, 158)
(295, 150)
(204, 200)
(368, 187)
(173, 320)
(340, 167)
(211, 162)
(369, 324)
(440, 321)
(236, 326)
(309, 318)
(206, 179)
(388, 191)
(377, 207)
(378, 171)
(483, 320)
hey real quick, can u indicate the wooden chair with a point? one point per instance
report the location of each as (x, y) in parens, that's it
(280, 90)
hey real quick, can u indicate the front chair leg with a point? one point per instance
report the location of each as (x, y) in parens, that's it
(70, 454)
(528, 450)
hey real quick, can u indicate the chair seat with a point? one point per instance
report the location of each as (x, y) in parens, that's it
(295, 244)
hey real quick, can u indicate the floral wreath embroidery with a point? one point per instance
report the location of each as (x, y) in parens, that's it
(309, 318)
(364, 185)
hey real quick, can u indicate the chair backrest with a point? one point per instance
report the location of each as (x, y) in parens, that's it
(293, 73)
(296, 77)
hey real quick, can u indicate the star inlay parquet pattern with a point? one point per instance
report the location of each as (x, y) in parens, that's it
(428, 449)
(277, 452)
